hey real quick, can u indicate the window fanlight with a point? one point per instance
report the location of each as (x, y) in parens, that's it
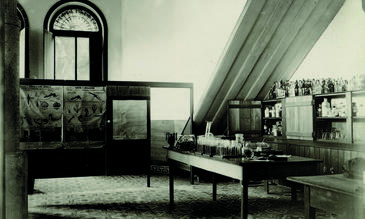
(75, 20)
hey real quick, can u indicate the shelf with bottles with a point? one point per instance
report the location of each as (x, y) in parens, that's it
(334, 131)
(315, 86)
(358, 116)
(272, 111)
(331, 106)
(333, 117)
(273, 128)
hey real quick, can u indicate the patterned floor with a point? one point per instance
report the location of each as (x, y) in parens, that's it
(128, 197)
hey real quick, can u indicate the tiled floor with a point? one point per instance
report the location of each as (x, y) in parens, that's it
(128, 197)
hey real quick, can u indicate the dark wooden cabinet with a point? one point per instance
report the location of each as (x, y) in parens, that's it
(244, 117)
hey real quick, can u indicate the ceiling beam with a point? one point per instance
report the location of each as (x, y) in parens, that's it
(270, 41)
(242, 29)
(266, 25)
(294, 20)
(304, 41)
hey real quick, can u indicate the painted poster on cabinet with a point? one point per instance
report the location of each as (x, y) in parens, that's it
(41, 113)
(84, 114)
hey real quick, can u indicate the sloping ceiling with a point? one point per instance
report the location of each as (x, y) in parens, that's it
(270, 40)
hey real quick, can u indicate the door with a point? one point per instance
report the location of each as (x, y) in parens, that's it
(128, 149)
(299, 117)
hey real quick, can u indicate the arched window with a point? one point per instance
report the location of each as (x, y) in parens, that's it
(23, 43)
(75, 42)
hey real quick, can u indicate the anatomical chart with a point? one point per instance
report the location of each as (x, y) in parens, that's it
(41, 110)
(84, 113)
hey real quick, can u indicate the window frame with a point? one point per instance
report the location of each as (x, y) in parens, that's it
(94, 52)
(97, 40)
(24, 22)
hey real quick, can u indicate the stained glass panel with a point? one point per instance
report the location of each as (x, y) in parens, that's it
(77, 20)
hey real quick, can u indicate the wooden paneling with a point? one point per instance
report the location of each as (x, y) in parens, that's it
(341, 161)
(333, 158)
(309, 151)
(347, 156)
(158, 137)
(128, 91)
(334, 161)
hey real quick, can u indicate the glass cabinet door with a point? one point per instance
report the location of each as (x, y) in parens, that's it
(129, 119)
(128, 144)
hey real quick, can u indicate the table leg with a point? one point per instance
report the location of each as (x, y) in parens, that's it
(309, 212)
(191, 175)
(244, 199)
(149, 177)
(294, 196)
(266, 186)
(214, 186)
(171, 183)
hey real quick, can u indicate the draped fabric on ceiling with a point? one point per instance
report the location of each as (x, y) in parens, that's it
(269, 42)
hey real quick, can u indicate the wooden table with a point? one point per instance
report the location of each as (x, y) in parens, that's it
(243, 170)
(333, 193)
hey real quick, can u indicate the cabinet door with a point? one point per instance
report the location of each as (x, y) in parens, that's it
(244, 117)
(358, 116)
(299, 117)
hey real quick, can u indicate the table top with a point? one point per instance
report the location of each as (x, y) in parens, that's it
(337, 183)
(243, 161)
(241, 168)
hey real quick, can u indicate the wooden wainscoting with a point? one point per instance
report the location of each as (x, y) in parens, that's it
(333, 158)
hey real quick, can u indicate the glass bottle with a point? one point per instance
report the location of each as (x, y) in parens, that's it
(267, 112)
(265, 128)
(296, 88)
(280, 128)
(323, 84)
(300, 88)
(319, 110)
(331, 87)
(326, 108)
(326, 88)
(274, 130)
(273, 111)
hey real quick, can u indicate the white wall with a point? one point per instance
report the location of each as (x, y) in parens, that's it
(153, 40)
(340, 52)
(175, 41)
